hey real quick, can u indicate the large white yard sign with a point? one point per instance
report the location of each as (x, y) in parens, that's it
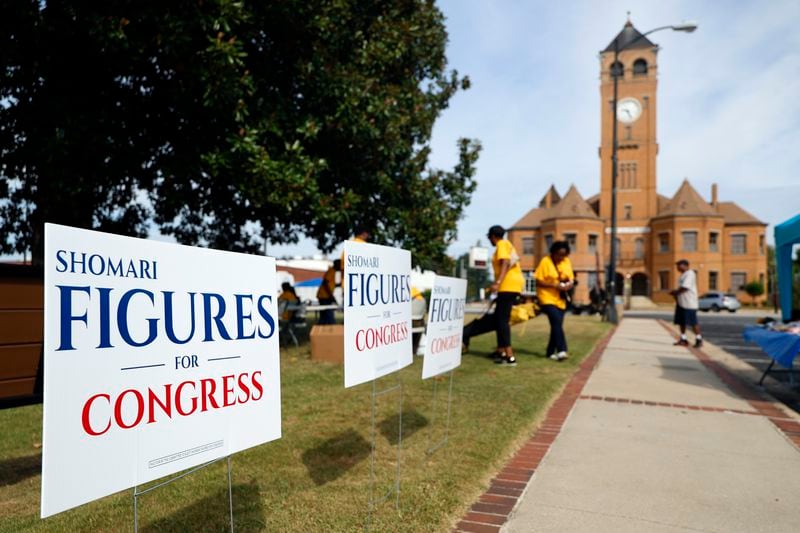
(158, 357)
(377, 311)
(445, 326)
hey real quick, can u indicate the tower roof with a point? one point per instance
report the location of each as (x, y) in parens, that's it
(687, 201)
(572, 206)
(625, 39)
(554, 197)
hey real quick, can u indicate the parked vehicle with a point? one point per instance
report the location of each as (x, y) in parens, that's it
(717, 301)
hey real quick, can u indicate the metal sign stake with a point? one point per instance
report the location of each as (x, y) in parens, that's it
(433, 447)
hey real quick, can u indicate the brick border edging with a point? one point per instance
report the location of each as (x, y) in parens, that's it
(614, 399)
(789, 427)
(494, 506)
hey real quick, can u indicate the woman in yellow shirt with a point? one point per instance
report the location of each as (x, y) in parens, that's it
(289, 297)
(325, 293)
(554, 277)
(508, 285)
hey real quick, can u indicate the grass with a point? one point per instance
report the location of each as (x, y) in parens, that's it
(316, 477)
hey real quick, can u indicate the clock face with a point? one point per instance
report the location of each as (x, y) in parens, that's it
(628, 110)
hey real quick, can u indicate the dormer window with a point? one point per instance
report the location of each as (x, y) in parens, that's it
(639, 67)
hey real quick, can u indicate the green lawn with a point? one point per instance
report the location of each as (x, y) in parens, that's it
(316, 477)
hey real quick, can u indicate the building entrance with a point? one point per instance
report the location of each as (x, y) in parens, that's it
(619, 283)
(640, 284)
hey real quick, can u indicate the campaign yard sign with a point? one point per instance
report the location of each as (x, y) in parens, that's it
(157, 357)
(445, 326)
(377, 311)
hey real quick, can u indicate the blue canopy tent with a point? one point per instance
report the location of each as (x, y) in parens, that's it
(315, 282)
(787, 234)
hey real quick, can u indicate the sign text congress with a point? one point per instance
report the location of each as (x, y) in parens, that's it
(107, 311)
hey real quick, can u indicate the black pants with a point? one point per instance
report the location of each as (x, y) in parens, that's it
(558, 342)
(497, 322)
(327, 316)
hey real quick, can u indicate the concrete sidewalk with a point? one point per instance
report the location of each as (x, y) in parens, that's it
(657, 441)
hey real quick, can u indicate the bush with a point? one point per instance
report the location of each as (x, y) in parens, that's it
(754, 289)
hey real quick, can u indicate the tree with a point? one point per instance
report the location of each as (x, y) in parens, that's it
(225, 123)
(772, 282)
(754, 289)
(796, 280)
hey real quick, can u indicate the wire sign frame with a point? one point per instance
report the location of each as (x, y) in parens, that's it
(375, 501)
(433, 447)
(137, 492)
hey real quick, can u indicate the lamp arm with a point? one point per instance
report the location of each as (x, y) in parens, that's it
(642, 36)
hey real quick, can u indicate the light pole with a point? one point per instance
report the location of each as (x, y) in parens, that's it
(616, 72)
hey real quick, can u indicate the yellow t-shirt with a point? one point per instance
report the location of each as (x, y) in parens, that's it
(513, 281)
(328, 284)
(288, 297)
(547, 272)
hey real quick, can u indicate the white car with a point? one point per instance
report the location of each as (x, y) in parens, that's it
(717, 301)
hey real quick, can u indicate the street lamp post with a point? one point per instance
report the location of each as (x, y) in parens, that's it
(611, 310)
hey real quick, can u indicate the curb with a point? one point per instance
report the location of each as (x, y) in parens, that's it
(493, 508)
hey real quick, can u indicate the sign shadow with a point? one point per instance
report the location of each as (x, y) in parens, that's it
(331, 459)
(213, 514)
(12, 471)
(413, 421)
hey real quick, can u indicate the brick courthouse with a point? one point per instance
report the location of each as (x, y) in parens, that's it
(724, 243)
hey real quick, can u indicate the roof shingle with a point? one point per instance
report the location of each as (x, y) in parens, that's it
(686, 202)
(735, 215)
(572, 206)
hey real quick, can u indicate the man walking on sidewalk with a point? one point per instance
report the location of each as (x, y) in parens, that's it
(686, 304)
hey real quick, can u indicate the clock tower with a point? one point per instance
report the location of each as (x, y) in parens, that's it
(637, 201)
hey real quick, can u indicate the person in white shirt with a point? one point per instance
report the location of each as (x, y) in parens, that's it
(686, 304)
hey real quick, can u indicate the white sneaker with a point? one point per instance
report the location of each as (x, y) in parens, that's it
(561, 355)
(554, 357)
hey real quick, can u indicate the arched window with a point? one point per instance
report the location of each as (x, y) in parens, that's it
(617, 69)
(639, 67)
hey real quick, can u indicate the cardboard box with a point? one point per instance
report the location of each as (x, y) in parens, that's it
(327, 343)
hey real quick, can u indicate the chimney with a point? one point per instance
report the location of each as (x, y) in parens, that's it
(714, 195)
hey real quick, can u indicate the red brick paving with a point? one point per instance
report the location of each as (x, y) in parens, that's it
(673, 405)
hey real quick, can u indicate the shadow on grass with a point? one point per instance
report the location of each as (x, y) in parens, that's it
(485, 354)
(413, 421)
(335, 456)
(528, 351)
(212, 512)
(12, 471)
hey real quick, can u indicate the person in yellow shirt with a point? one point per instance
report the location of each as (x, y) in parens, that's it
(554, 278)
(290, 297)
(508, 284)
(325, 293)
(361, 234)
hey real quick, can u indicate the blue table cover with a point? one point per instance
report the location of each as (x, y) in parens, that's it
(783, 347)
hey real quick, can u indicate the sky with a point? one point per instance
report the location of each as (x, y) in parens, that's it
(728, 102)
